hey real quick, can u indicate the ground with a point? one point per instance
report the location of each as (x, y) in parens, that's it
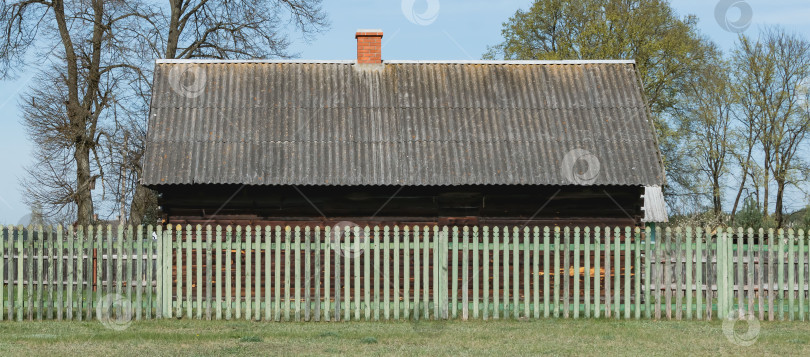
(546, 336)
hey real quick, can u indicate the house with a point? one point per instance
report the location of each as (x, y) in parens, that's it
(373, 141)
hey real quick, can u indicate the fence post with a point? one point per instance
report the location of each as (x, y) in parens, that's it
(443, 273)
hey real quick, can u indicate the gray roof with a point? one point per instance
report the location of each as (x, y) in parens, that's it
(655, 208)
(400, 123)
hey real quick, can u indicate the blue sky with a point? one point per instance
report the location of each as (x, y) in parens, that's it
(456, 30)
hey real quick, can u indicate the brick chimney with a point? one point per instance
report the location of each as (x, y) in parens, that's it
(369, 46)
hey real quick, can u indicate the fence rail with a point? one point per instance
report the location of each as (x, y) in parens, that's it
(401, 272)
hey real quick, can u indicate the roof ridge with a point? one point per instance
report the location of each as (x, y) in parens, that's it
(488, 62)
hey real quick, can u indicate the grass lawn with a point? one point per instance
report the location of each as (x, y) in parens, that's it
(548, 336)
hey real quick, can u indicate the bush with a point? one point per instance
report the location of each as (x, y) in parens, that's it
(750, 216)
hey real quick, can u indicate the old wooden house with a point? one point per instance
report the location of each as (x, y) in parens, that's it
(374, 141)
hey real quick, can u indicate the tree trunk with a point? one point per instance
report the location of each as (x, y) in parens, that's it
(780, 191)
(84, 183)
(143, 200)
(716, 202)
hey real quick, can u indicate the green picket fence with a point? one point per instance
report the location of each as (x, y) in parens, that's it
(401, 272)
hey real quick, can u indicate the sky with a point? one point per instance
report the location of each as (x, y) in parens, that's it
(417, 30)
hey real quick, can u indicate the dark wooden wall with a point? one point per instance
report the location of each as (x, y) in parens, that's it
(378, 205)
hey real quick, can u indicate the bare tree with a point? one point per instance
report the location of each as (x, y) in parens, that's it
(97, 90)
(88, 59)
(775, 69)
(708, 103)
(221, 30)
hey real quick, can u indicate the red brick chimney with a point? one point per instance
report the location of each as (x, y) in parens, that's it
(369, 46)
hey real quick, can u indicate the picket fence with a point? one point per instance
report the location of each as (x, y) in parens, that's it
(401, 272)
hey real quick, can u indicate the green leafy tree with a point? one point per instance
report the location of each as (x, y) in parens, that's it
(668, 49)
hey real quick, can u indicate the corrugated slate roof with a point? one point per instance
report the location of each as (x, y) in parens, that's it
(406, 123)
(655, 208)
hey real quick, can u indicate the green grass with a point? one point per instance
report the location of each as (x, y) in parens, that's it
(548, 336)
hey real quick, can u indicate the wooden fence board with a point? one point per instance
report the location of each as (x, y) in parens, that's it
(382, 273)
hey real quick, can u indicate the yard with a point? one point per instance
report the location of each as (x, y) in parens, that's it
(546, 336)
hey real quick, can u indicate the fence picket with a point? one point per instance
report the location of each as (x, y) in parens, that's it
(637, 272)
(587, 272)
(721, 270)
(699, 273)
(257, 300)
(39, 255)
(801, 285)
(268, 237)
(71, 243)
(198, 271)
(566, 273)
(617, 304)
(781, 273)
(507, 240)
(496, 273)
(526, 265)
(425, 271)
(608, 274)
(536, 272)
(627, 238)
(762, 256)
(465, 313)
(357, 258)
(307, 273)
(689, 259)
(238, 275)
(386, 274)
(668, 266)
(397, 285)
(367, 273)
(141, 276)
(740, 280)
(711, 276)
(791, 286)
(437, 295)
(456, 306)
(516, 273)
(2, 266)
(597, 272)
(29, 260)
(130, 252)
(476, 268)
(249, 273)
(217, 276)
(110, 277)
(277, 256)
(119, 263)
(177, 270)
(486, 261)
(750, 272)
(189, 277)
(575, 272)
(406, 256)
(771, 269)
(557, 282)
(678, 273)
(658, 269)
(228, 273)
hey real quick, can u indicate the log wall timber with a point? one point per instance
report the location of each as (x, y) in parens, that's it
(398, 205)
